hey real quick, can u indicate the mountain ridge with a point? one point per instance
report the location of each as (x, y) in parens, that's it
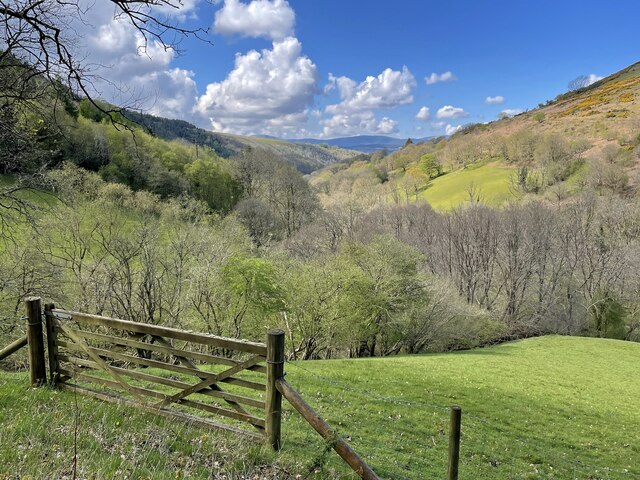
(306, 157)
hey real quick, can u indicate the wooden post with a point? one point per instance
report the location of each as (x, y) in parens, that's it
(52, 344)
(37, 368)
(454, 442)
(319, 425)
(275, 371)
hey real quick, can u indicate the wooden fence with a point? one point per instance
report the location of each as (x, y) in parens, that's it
(212, 381)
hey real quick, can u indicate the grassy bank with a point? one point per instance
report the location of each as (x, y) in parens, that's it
(552, 407)
(491, 182)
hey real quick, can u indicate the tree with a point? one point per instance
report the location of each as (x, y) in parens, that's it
(42, 73)
(429, 165)
(39, 42)
(213, 183)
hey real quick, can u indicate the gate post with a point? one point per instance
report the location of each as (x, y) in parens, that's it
(52, 345)
(37, 369)
(275, 371)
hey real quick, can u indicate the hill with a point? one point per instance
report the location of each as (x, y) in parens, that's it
(587, 139)
(546, 407)
(305, 157)
(362, 143)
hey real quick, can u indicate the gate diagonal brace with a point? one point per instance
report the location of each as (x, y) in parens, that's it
(96, 358)
(236, 406)
(206, 383)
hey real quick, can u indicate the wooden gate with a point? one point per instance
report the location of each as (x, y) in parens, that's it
(171, 372)
(174, 373)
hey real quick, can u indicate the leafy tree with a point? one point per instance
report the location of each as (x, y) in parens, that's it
(212, 182)
(429, 165)
(385, 283)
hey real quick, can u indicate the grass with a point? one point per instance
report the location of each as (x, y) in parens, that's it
(451, 190)
(551, 407)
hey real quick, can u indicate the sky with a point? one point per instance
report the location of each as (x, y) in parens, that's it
(334, 68)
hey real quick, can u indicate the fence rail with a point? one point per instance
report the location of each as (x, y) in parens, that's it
(13, 347)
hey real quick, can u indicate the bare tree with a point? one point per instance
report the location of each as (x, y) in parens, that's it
(39, 38)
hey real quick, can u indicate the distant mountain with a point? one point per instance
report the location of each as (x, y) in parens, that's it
(362, 143)
(306, 157)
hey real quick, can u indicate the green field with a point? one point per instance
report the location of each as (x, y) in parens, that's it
(551, 407)
(491, 182)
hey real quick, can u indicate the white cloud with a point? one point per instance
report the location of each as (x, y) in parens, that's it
(274, 85)
(128, 71)
(451, 129)
(510, 112)
(437, 125)
(497, 100)
(450, 112)
(593, 78)
(346, 87)
(186, 9)
(175, 92)
(357, 124)
(423, 114)
(273, 19)
(389, 89)
(387, 126)
(442, 77)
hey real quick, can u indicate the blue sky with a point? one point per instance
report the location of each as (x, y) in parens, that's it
(335, 68)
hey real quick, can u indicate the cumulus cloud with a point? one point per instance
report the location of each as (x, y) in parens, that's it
(185, 10)
(423, 114)
(497, 100)
(129, 71)
(389, 89)
(449, 112)
(442, 77)
(346, 87)
(510, 112)
(451, 129)
(274, 85)
(593, 78)
(355, 113)
(273, 19)
(387, 126)
(356, 124)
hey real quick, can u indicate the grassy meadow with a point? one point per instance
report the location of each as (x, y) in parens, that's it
(550, 407)
(491, 182)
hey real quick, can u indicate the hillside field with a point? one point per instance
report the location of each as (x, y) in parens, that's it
(491, 183)
(550, 407)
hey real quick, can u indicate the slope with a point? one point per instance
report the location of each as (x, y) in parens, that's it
(305, 157)
(588, 139)
(550, 407)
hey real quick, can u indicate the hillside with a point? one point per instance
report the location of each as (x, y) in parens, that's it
(305, 157)
(362, 143)
(538, 408)
(588, 139)
(606, 113)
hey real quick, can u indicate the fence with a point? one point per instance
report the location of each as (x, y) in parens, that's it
(154, 368)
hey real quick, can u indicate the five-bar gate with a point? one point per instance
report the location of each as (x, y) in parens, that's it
(169, 371)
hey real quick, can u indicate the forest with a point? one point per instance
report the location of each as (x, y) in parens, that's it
(104, 215)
